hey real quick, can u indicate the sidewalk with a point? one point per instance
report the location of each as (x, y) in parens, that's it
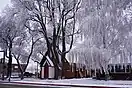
(72, 83)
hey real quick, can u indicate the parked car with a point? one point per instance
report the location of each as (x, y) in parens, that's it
(28, 74)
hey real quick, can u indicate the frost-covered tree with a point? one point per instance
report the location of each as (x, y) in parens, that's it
(16, 38)
(55, 21)
(10, 29)
(23, 51)
(49, 28)
(103, 31)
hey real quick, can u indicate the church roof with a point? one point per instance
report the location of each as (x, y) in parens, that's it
(46, 60)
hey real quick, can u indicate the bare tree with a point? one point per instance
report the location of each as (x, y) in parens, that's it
(8, 34)
(55, 21)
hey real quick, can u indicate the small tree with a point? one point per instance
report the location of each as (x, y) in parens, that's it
(9, 31)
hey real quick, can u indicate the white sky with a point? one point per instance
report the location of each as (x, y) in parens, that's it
(3, 3)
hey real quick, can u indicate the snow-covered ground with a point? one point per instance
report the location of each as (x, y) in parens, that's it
(78, 82)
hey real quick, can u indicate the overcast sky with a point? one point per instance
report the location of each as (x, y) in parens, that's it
(3, 3)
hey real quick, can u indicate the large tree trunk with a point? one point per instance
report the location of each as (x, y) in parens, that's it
(22, 75)
(62, 62)
(63, 47)
(9, 69)
(20, 68)
(56, 63)
(53, 54)
(54, 58)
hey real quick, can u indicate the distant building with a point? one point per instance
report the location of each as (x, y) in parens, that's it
(47, 70)
(15, 69)
(3, 68)
(120, 71)
(120, 68)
